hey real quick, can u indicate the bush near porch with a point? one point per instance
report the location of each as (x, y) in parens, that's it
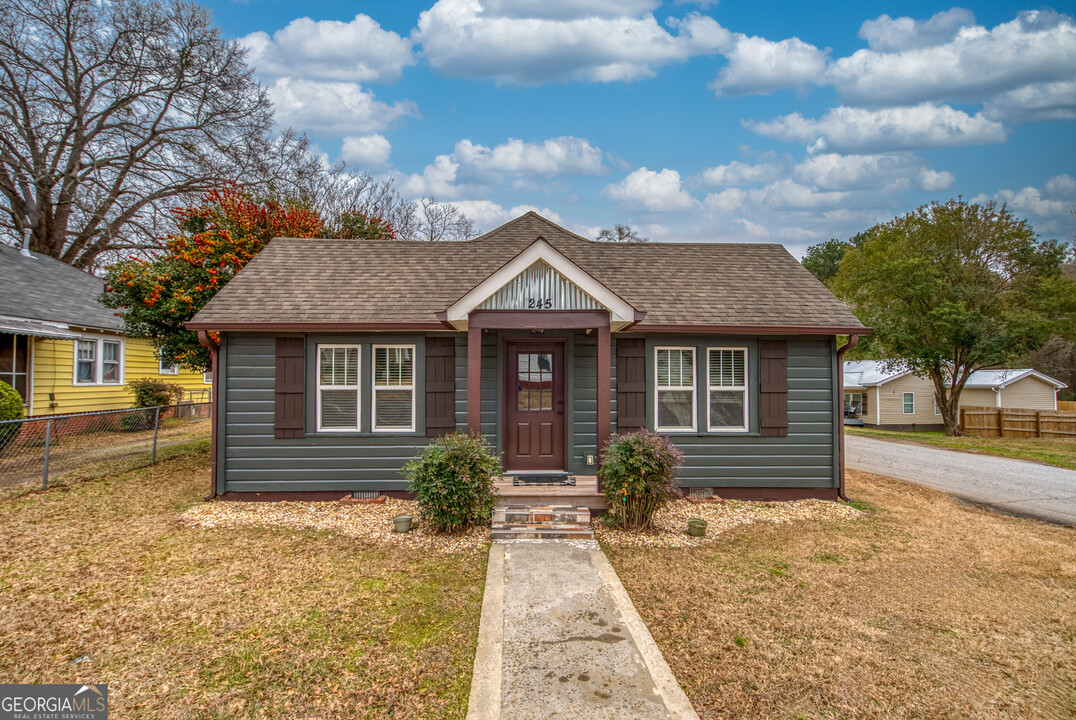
(452, 479)
(638, 474)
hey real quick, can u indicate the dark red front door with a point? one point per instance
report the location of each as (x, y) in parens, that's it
(534, 412)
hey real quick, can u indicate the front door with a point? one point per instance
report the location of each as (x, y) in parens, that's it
(534, 412)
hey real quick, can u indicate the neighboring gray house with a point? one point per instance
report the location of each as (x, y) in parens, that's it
(340, 359)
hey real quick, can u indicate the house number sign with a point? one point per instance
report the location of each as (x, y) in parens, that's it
(539, 303)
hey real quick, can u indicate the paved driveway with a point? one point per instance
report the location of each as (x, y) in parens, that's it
(1016, 486)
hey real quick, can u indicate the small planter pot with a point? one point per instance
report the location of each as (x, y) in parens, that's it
(401, 523)
(696, 527)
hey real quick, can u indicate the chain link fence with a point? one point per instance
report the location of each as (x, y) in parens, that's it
(41, 449)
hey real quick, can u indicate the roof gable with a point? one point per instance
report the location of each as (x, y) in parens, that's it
(541, 266)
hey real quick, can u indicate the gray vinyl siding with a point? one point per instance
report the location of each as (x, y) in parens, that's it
(803, 459)
(251, 459)
(255, 461)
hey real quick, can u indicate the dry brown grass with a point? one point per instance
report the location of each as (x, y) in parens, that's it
(923, 608)
(252, 622)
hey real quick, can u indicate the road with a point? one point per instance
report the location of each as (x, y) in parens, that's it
(1015, 486)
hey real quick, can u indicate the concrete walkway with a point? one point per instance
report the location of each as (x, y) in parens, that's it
(561, 639)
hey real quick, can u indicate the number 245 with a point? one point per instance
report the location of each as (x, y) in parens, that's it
(539, 303)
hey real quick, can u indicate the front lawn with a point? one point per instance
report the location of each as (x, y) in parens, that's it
(102, 582)
(921, 608)
(1052, 451)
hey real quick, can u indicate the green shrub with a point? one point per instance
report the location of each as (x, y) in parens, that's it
(453, 481)
(10, 409)
(638, 472)
(137, 421)
(149, 392)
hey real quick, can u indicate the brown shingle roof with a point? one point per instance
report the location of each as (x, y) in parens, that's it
(303, 281)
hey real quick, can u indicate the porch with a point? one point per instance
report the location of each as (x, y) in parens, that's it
(584, 493)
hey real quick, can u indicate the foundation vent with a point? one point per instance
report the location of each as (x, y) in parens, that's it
(366, 494)
(700, 493)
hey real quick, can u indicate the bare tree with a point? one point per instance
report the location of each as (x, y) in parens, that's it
(442, 221)
(621, 233)
(111, 112)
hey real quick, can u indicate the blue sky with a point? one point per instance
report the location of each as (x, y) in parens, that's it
(702, 121)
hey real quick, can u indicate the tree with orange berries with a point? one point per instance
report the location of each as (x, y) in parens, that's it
(213, 242)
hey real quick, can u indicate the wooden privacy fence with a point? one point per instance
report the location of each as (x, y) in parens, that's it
(1017, 422)
(1066, 405)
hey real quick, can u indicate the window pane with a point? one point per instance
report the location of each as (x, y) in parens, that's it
(727, 368)
(534, 381)
(392, 409)
(111, 352)
(111, 372)
(339, 409)
(663, 368)
(339, 366)
(393, 366)
(674, 409)
(20, 386)
(7, 352)
(676, 368)
(726, 408)
(909, 403)
(86, 371)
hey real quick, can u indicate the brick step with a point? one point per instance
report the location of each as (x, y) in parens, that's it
(536, 522)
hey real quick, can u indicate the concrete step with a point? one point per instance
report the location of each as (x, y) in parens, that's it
(536, 522)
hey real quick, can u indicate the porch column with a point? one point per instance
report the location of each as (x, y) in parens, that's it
(604, 389)
(474, 378)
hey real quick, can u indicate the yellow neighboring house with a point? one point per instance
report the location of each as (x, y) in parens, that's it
(63, 350)
(901, 400)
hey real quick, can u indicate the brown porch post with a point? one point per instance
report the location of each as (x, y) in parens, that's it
(474, 378)
(604, 389)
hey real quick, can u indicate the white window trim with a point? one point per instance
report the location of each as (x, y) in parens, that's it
(357, 387)
(744, 388)
(374, 388)
(171, 369)
(693, 388)
(904, 403)
(99, 362)
(207, 377)
(937, 410)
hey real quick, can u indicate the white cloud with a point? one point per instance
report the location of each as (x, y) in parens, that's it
(850, 129)
(934, 180)
(471, 166)
(544, 212)
(334, 107)
(725, 202)
(369, 152)
(1041, 102)
(1048, 209)
(355, 51)
(832, 171)
(1038, 46)
(485, 214)
(788, 194)
(460, 37)
(758, 65)
(651, 191)
(741, 173)
(567, 9)
(885, 34)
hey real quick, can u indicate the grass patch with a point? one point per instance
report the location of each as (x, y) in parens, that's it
(1060, 452)
(237, 623)
(928, 609)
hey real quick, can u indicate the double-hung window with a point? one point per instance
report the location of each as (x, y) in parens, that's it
(675, 399)
(394, 388)
(338, 387)
(167, 368)
(909, 403)
(99, 362)
(727, 389)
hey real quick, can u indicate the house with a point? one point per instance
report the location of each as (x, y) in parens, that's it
(899, 400)
(340, 359)
(62, 349)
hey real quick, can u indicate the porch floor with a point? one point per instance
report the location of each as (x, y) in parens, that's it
(584, 492)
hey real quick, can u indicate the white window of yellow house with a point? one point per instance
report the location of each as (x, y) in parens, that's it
(394, 388)
(727, 383)
(909, 403)
(338, 388)
(675, 396)
(99, 362)
(167, 368)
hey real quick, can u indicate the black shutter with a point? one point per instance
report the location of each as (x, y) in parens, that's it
(630, 385)
(290, 383)
(440, 386)
(773, 396)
